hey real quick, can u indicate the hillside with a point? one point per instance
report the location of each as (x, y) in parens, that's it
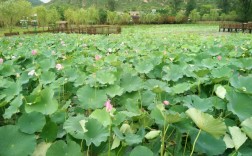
(120, 4)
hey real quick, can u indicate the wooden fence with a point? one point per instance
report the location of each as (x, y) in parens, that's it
(89, 29)
(230, 27)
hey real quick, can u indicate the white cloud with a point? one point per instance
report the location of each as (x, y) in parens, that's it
(45, 1)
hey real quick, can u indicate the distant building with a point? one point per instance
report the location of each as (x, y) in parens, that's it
(62, 24)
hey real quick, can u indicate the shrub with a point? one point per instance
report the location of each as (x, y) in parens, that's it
(194, 16)
(180, 17)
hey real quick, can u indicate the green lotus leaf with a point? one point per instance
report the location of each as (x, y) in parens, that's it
(172, 73)
(173, 117)
(156, 86)
(49, 132)
(242, 83)
(246, 63)
(148, 98)
(71, 74)
(158, 116)
(222, 72)
(32, 122)
(239, 104)
(14, 143)
(247, 127)
(206, 122)
(114, 90)
(61, 148)
(141, 150)
(119, 118)
(8, 70)
(91, 98)
(102, 116)
(198, 103)
(105, 77)
(228, 141)
(43, 103)
(96, 133)
(41, 149)
(47, 77)
(11, 91)
(13, 108)
(238, 136)
(73, 126)
(181, 88)
(132, 139)
(131, 83)
(208, 144)
(80, 80)
(46, 63)
(116, 143)
(144, 67)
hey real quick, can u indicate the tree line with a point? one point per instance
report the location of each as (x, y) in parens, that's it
(176, 11)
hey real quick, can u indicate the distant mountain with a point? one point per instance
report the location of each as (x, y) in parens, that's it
(36, 2)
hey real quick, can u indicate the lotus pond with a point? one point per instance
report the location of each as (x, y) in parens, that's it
(150, 91)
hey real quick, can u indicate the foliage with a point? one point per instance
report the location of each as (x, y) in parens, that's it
(113, 17)
(42, 15)
(231, 16)
(245, 10)
(53, 16)
(191, 5)
(111, 5)
(180, 17)
(12, 11)
(92, 15)
(131, 99)
(194, 16)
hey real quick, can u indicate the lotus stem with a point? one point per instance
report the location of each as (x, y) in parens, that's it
(163, 139)
(185, 144)
(195, 142)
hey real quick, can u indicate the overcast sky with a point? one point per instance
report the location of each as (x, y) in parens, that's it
(45, 1)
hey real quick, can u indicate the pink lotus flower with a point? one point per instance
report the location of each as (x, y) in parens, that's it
(34, 52)
(108, 106)
(97, 57)
(166, 102)
(219, 57)
(1, 60)
(59, 66)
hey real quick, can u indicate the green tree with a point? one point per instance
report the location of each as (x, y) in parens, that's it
(92, 15)
(113, 17)
(69, 16)
(224, 5)
(205, 9)
(13, 10)
(180, 16)
(53, 16)
(80, 17)
(176, 6)
(42, 15)
(111, 5)
(194, 16)
(103, 16)
(245, 10)
(214, 15)
(190, 6)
